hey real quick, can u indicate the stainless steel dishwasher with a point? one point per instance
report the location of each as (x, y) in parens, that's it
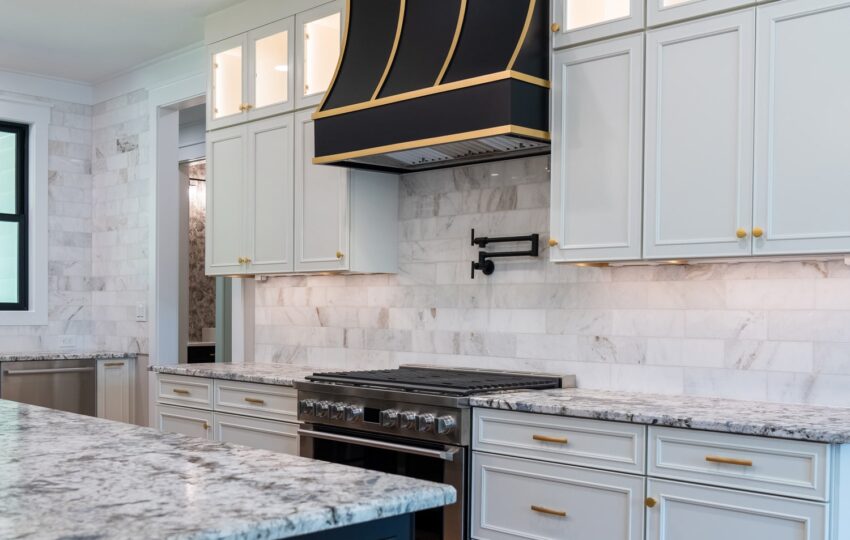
(67, 385)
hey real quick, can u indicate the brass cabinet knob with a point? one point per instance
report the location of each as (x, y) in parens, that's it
(553, 242)
(340, 254)
(242, 107)
(241, 260)
(206, 425)
(758, 232)
(555, 27)
(247, 260)
(248, 106)
(650, 502)
(741, 233)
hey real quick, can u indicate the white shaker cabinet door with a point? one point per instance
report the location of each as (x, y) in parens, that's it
(321, 206)
(802, 158)
(699, 138)
(596, 159)
(226, 176)
(256, 433)
(688, 511)
(270, 171)
(191, 422)
(115, 392)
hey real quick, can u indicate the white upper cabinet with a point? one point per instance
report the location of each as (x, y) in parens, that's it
(699, 138)
(597, 107)
(319, 34)
(227, 85)
(271, 74)
(802, 156)
(665, 11)
(226, 201)
(577, 21)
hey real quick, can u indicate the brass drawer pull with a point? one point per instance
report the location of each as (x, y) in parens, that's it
(729, 461)
(181, 391)
(547, 438)
(114, 364)
(255, 401)
(548, 511)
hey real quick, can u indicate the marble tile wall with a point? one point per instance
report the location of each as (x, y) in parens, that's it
(121, 149)
(70, 279)
(754, 330)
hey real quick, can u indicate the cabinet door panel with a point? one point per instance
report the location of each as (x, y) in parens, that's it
(227, 174)
(190, 422)
(227, 87)
(115, 390)
(517, 498)
(705, 513)
(318, 44)
(665, 11)
(802, 162)
(596, 158)
(270, 170)
(321, 206)
(586, 20)
(699, 138)
(271, 69)
(257, 433)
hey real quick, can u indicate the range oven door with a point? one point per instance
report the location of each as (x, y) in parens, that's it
(441, 463)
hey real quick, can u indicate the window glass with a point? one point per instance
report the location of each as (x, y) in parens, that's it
(13, 217)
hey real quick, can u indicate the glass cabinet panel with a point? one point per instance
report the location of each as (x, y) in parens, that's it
(321, 51)
(271, 61)
(227, 82)
(582, 13)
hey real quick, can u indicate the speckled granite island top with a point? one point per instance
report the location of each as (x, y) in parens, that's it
(278, 374)
(37, 356)
(784, 421)
(68, 476)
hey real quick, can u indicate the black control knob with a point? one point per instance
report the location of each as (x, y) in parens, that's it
(322, 408)
(425, 423)
(337, 410)
(389, 418)
(353, 413)
(408, 420)
(445, 425)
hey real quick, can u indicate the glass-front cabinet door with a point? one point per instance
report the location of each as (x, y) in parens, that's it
(228, 86)
(666, 11)
(318, 44)
(576, 21)
(270, 69)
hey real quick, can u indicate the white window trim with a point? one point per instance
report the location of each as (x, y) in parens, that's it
(36, 114)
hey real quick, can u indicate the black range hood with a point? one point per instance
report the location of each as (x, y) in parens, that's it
(424, 84)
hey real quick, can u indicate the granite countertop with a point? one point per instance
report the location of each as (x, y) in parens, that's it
(778, 420)
(278, 374)
(112, 480)
(37, 356)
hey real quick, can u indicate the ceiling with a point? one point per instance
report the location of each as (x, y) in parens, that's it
(93, 40)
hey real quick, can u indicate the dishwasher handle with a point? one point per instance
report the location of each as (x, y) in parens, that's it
(47, 371)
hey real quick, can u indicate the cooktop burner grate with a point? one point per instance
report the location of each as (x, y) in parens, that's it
(434, 380)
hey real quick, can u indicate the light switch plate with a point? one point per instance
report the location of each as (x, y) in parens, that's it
(67, 342)
(141, 312)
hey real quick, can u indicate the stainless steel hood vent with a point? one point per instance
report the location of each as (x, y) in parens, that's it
(424, 84)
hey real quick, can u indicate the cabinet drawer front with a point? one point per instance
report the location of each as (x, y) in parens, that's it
(781, 467)
(192, 422)
(261, 400)
(256, 433)
(594, 443)
(708, 513)
(184, 391)
(518, 498)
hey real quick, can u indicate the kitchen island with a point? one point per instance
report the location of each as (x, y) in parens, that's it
(65, 475)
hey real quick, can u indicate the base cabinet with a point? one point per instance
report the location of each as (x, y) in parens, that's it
(707, 513)
(191, 422)
(256, 433)
(520, 498)
(116, 396)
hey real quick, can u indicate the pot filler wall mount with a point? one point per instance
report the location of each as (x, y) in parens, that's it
(424, 84)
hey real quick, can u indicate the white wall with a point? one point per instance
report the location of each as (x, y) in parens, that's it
(758, 330)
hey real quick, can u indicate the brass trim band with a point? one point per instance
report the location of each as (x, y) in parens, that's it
(523, 35)
(391, 59)
(457, 85)
(508, 129)
(449, 55)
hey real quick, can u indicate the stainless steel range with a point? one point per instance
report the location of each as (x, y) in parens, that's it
(414, 421)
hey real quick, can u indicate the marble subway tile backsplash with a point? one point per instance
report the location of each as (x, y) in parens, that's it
(753, 330)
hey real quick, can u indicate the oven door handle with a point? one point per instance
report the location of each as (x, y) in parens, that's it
(445, 455)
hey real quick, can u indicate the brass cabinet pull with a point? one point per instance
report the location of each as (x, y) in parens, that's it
(241, 260)
(741, 233)
(555, 27)
(248, 106)
(553, 242)
(729, 461)
(650, 502)
(247, 260)
(340, 254)
(547, 438)
(255, 401)
(549, 511)
(181, 391)
(114, 364)
(206, 425)
(242, 107)
(758, 232)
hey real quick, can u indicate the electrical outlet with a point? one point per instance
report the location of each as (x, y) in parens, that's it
(67, 342)
(141, 312)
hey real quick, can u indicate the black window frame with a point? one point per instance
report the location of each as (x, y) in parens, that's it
(21, 215)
